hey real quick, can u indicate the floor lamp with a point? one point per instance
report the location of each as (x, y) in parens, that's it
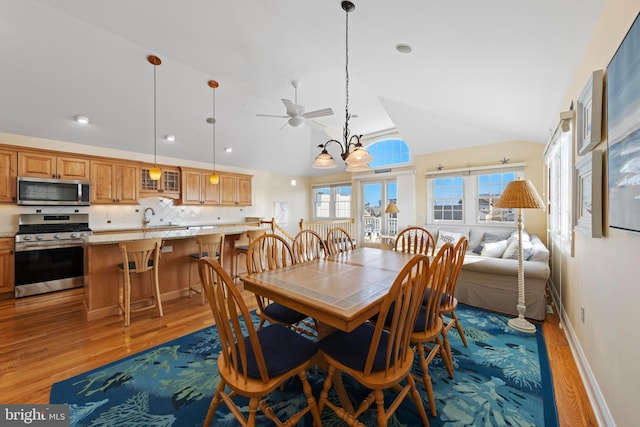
(520, 194)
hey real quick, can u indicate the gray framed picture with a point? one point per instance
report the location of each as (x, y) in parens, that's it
(589, 114)
(623, 133)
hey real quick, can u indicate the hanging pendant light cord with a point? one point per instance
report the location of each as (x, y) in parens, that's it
(155, 138)
(346, 73)
(214, 129)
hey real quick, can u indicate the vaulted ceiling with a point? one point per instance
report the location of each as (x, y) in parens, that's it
(479, 72)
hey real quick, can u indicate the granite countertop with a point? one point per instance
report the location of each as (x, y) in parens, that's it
(180, 233)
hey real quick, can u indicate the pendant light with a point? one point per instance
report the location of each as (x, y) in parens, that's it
(214, 178)
(357, 158)
(154, 172)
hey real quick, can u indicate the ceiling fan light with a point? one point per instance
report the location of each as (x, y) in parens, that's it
(359, 156)
(296, 121)
(324, 160)
(155, 173)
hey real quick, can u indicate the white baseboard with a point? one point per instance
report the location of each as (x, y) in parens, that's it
(599, 405)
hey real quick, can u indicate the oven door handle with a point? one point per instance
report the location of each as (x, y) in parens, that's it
(39, 246)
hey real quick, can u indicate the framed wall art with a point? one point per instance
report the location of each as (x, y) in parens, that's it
(588, 194)
(589, 114)
(623, 133)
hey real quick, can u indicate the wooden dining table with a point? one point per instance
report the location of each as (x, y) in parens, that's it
(341, 291)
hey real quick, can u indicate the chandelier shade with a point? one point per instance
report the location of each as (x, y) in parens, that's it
(352, 152)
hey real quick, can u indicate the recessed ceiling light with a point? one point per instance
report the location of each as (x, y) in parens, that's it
(293, 182)
(228, 150)
(82, 119)
(170, 138)
(403, 48)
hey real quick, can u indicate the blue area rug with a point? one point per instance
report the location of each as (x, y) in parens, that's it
(502, 378)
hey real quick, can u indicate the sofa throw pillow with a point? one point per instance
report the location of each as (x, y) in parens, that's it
(447, 237)
(488, 238)
(494, 249)
(511, 252)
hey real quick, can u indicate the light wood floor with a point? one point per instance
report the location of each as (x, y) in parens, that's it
(45, 339)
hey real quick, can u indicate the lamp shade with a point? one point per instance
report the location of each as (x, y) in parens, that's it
(392, 208)
(324, 160)
(520, 194)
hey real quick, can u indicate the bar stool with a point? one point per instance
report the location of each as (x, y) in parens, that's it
(139, 256)
(210, 245)
(242, 249)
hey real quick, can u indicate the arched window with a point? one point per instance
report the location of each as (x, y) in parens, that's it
(389, 152)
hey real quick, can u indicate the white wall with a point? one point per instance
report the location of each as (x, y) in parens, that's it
(603, 274)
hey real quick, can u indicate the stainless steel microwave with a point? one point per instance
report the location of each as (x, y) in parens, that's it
(47, 192)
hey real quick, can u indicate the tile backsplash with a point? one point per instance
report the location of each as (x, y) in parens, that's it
(107, 217)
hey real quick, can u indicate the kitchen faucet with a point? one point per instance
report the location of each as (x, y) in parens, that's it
(146, 220)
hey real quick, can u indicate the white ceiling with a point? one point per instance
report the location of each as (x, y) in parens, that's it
(480, 72)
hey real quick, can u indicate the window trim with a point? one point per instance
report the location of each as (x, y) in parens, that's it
(332, 200)
(470, 193)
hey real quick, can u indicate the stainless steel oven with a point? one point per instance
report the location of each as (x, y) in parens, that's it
(49, 254)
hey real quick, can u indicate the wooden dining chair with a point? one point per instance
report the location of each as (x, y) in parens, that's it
(139, 256)
(256, 364)
(241, 249)
(380, 357)
(309, 245)
(448, 302)
(429, 325)
(210, 245)
(415, 240)
(270, 252)
(339, 240)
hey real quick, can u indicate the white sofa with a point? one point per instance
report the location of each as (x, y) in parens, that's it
(491, 282)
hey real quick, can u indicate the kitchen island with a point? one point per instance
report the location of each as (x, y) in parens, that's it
(102, 255)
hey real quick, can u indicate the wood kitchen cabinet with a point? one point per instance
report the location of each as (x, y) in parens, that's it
(6, 265)
(43, 165)
(235, 189)
(114, 182)
(168, 185)
(197, 189)
(8, 163)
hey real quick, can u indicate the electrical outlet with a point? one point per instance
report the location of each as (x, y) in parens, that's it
(582, 313)
(166, 249)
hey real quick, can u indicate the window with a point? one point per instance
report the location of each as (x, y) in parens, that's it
(332, 201)
(490, 187)
(467, 196)
(558, 157)
(389, 152)
(448, 199)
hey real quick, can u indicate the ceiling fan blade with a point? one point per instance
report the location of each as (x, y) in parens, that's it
(272, 115)
(318, 113)
(291, 107)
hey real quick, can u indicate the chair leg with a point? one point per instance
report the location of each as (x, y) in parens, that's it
(311, 401)
(417, 400)
(444, 350)
(426, 379)
(454, 318)
(127, 300)
(215, 401)
(156, 286)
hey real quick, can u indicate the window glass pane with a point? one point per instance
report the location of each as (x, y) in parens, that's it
(389, 152)
(490, 187)
(322, 201)
(448, 201)
(343, 201)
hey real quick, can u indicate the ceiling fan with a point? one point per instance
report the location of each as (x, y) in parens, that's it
(295, 112)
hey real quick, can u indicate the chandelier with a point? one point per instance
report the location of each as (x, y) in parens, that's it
(352, 151)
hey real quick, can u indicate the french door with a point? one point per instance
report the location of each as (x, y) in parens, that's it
(378, 227)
